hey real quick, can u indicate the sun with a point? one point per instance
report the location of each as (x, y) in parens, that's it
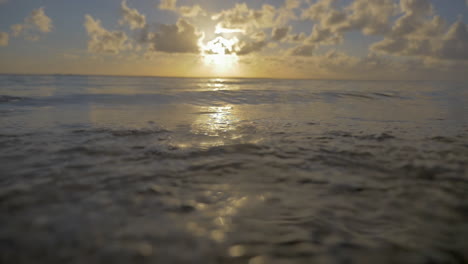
(220, 54)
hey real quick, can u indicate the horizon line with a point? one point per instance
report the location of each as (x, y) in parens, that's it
(223, 77)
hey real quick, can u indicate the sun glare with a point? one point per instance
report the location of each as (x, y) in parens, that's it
(221, 46)
(220, 30)
(220, 54)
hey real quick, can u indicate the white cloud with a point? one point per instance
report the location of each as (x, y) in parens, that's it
(131, 16)
(102, 40)
(36, 23)
(4, 38)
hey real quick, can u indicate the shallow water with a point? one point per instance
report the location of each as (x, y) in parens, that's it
(166, 170)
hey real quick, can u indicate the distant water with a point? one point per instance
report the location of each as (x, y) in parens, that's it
(167, 170)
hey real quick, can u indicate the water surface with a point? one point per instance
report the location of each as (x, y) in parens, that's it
(165, 170)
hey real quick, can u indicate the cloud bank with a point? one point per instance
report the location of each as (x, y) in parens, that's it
(411, 36)
(408, 28)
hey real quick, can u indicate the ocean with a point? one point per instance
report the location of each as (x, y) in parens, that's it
(102, 169)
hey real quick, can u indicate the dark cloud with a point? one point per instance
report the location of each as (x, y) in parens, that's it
(179, 38)
(279, 33)
(244, 47)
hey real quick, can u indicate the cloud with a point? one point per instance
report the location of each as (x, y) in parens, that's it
(318, 10)
(246, 23)
(191, 11)
(241, 17)
(244, 47)
(410, 28)
(251, 23)
(4, 38)
(3, 1)
(39, 19)
(420, 33)
(102, 40)
(334, 64)
(293, 4)
(17, 29)
(295, 38)
(324, 36)
(280, 33)
(34, 25)
(454, 45)
(415, 12)
(185, 11)
(371, 17)
(168, 5)
(182, 37)
(301, 50)
(131, 16)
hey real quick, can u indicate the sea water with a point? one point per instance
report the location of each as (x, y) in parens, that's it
(97, 169)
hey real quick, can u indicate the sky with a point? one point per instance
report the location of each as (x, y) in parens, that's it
(316, 39)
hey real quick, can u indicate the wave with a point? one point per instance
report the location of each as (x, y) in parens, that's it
(205, 97)
(8, 99)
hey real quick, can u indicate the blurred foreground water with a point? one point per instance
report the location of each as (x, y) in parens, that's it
(166, 170)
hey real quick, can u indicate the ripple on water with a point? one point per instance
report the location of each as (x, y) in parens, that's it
(152, 195)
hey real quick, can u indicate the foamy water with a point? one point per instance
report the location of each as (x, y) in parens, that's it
(166, 170)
